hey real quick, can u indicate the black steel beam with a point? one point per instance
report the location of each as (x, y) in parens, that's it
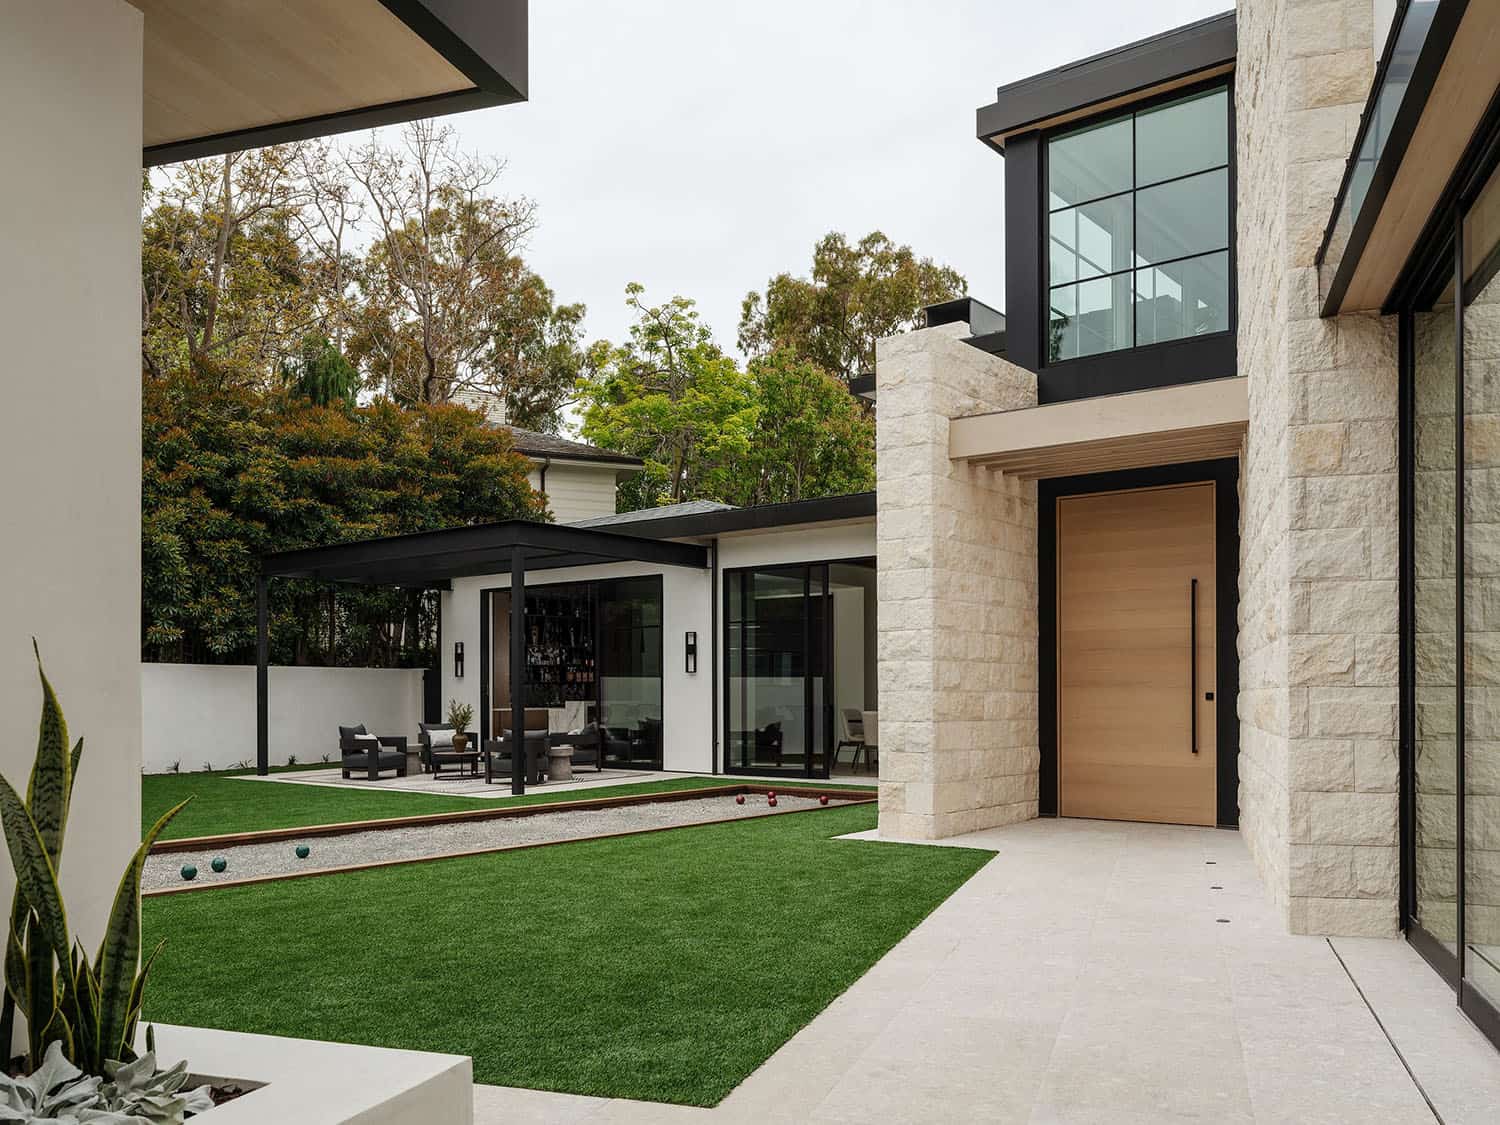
(488, 549)
(518, 674)
(262, 676)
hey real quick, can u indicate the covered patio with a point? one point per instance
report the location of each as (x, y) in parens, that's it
(431, 560)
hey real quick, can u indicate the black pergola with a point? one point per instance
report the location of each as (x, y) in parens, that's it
(430, 560)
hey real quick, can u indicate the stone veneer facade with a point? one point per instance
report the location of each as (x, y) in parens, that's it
(1318, 636)
(958, 597)
(1318, 617)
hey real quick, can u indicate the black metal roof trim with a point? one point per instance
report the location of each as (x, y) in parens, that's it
(486, 40)
(1424, 75)
(827, 509)
(431, 557)
(1178, 53)
(991, 342)
(862, 386)
(981, 318)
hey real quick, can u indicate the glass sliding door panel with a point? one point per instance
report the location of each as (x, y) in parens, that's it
(819, 689)
(1481, 579)
(766, 647)
(630, 666)
(1435, 566)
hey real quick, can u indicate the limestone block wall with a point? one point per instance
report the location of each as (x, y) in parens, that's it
(958, 597)
(1318, 599)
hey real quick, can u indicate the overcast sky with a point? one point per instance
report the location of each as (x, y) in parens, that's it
(700, 147)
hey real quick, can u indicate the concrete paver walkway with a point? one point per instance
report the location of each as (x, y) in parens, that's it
(1103, 972)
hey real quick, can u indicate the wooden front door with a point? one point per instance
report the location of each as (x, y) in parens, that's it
(1136, 644)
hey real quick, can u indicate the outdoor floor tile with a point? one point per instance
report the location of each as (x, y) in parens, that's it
(1082, 976)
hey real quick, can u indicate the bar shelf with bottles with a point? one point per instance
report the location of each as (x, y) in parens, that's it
(561, 664)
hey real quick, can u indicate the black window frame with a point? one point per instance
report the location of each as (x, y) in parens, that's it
(1028, 239)
(1436, 265)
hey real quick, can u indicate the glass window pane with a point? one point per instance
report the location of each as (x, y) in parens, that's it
(1091, 240)
(1185, 136)
(1181, 299)
(1089, 163)
(1090, 317)
(1481, 579)
(630, 666)
(1435, 562)
(1182, 218)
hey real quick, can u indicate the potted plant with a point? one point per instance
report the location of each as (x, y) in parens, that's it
(460, 715)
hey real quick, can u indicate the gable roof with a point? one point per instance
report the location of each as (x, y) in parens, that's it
(535, 444)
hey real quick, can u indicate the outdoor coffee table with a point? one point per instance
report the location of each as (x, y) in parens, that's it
(469, 758)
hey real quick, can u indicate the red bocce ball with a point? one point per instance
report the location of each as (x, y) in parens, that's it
(740, 800)
(771, 801)
(823, 800)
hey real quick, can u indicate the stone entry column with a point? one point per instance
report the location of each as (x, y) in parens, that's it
(957, 590)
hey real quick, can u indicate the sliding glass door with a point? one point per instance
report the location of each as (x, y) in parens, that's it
(777, 649)
(1451, 602)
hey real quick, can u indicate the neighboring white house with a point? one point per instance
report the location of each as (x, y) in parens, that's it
(579, 480)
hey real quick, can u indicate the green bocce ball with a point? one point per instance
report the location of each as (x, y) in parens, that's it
(303, 851)
(219, 863)
(189, 872)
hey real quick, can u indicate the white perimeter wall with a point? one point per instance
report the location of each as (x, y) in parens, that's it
(70, 429)
(197, 713)
(687, 700)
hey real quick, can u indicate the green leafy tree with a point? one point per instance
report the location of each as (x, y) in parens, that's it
(782, 430)
(232, 472)
(321, 374)
(811, 438)
(857, 294)
(671, 397)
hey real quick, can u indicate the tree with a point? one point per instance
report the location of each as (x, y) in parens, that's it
(782, 430)
(670, 397)
(442, 262)
(231, 472)
(857, 294)
(221, 267)
(811, 438)
(321, 374)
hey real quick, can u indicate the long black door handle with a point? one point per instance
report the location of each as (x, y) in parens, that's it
(1193, 661)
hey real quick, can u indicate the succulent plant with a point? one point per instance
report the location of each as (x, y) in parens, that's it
(57, 1091)
(86, 1010)
(142, 1093)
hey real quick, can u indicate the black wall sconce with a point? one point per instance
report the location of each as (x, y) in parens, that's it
(458, 660)
(692, 652)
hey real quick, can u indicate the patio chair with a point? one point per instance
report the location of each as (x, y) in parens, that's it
(854, 732)
(871, 747)
(437, 748)
(769, 742)
(361, 750)
(588, 746)
(497, 751)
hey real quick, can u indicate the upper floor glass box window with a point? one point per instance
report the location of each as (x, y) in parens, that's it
(1138, 228)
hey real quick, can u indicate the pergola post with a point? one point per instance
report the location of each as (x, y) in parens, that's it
(262, 684)
(518, 670)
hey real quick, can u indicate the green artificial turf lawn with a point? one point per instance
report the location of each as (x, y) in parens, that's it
(223, 803)
(665, 966)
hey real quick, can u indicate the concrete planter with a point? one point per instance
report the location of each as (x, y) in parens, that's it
(311, 1083)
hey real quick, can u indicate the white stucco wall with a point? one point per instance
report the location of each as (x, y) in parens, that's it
(193, 714)
(687, 700)
(70, 129)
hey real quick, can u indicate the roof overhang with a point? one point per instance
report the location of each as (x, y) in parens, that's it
(1436, 79)
(222, 75)
(1163, 426)
(432, 559)
(1180, 57)
(856, 507)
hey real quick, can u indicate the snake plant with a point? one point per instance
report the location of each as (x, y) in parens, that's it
(90, 1007)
